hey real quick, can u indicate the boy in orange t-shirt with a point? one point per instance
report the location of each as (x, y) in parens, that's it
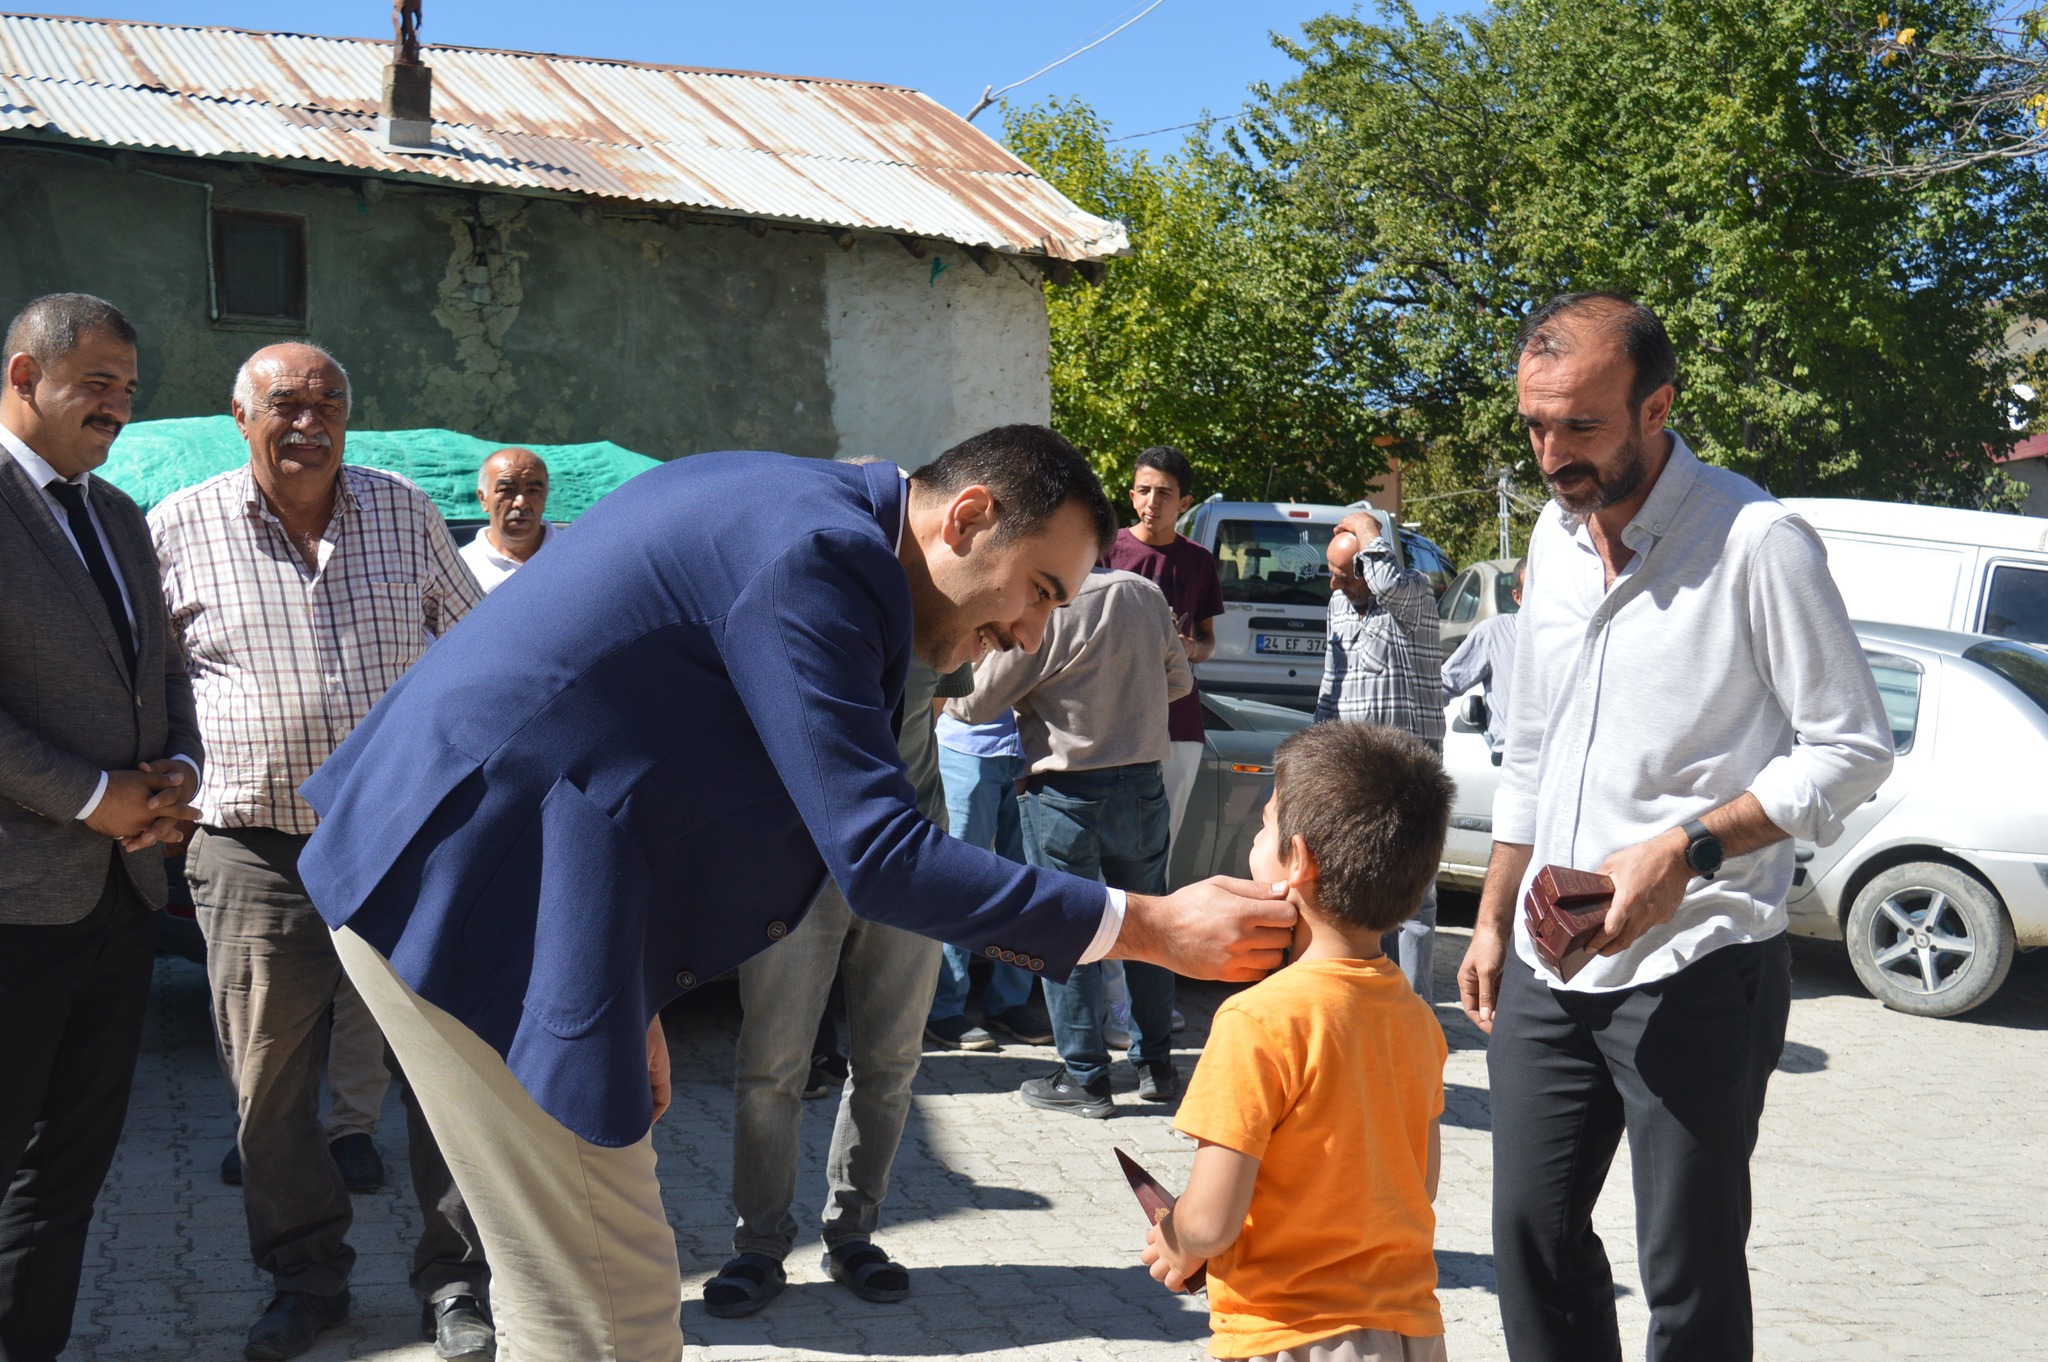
(1318, 1094)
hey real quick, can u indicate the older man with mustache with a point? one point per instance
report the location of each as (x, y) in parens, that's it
(300, 590)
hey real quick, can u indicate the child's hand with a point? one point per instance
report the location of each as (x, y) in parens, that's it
(1167, 1267)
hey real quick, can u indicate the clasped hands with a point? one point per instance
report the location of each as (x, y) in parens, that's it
(148, 805)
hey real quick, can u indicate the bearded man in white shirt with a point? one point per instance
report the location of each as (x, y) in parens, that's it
(1682, 628)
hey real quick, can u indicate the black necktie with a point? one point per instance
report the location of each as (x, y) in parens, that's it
(72, 496)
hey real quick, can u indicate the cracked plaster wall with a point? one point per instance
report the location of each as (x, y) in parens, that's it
(534, 319)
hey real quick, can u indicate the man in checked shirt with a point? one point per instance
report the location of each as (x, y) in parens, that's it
(1384, 665)
(300, 590)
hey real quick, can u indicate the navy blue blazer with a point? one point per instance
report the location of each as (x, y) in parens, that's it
(634, 764)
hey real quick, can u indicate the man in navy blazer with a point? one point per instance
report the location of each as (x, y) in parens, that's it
(542, 835)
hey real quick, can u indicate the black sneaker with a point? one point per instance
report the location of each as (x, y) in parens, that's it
(828, 1075)
(957, 1033)
(1158, 1080)
(231, 1166)
(1023, 1023)
(1058, 1091)
(356, 1159)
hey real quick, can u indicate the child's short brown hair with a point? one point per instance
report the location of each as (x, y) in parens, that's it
(1373, 804)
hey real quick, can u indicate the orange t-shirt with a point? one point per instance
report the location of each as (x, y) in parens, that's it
(1328, 1073)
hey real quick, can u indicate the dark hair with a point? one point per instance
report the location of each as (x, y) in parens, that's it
(1030, 471)
(56, 324)
(1373, 804)
(1171, 462)
(1553, 328)
(1520, 572)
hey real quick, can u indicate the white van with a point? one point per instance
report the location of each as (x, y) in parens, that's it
(1273, 558)
(1977, 572)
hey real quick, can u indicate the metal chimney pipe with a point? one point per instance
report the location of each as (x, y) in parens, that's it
(408, 85)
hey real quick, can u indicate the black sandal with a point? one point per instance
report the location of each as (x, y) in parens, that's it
(867, 1272)
(744, 1285)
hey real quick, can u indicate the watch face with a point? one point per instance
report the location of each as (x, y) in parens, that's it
(1705, 855)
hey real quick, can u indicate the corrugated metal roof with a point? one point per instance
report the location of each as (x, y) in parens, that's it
(834, 152)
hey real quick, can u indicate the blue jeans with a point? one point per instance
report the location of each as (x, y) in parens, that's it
(981, 810)
(1110, 825)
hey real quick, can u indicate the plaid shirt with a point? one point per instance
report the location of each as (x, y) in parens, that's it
(1383, 664)
(286, 660)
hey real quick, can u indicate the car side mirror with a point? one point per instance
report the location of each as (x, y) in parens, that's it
(1475, 710)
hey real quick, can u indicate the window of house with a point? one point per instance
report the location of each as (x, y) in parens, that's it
(259, 268)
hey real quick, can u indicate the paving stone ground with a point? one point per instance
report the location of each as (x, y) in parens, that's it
(1901, 1184)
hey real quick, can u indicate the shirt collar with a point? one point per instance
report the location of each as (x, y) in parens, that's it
(1659, 510)
(491, 550)
(902, 509)
(251, 496)
(35, 465)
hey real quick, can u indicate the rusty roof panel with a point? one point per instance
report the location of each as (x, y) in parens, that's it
(832, 152)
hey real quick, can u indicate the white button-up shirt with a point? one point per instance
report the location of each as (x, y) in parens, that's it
(1720, 662)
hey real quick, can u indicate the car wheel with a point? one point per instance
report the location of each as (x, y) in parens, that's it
(1929, 939)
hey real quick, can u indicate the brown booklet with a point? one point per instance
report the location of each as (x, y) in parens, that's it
(1564, 908)
(1156, 1201)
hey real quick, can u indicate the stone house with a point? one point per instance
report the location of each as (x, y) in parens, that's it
(572, 249)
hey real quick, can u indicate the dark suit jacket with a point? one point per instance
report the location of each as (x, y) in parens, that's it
(635, 763)
(70, 707)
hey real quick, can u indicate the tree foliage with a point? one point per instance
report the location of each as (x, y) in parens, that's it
(1207, 337)
(1353, 259)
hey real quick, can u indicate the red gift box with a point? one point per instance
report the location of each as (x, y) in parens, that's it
(1564, 908)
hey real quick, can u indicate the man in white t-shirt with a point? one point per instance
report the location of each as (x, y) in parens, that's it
(513, 487)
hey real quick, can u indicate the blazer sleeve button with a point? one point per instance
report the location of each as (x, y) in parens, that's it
(686, 980)
(1037, 963)
(995, 952)
(777, 930)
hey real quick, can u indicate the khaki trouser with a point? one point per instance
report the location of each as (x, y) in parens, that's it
(583, 1262)
(1363, 1345)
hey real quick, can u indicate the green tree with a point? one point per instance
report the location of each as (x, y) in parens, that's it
(1838, 334)
(1208, 335)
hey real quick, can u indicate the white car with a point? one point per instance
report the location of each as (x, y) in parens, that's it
(1941, 874)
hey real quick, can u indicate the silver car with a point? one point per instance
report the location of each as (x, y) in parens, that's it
(1940, 875)
(1228, 801)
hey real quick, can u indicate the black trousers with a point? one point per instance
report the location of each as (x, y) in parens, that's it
(1681, 1065)
(72, 1001)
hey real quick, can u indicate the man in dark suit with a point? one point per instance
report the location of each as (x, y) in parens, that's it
(99, 753)
(538, 838)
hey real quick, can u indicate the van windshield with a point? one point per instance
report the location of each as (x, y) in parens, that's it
(1273, 562)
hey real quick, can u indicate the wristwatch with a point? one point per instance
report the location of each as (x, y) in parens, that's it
(1703, 850)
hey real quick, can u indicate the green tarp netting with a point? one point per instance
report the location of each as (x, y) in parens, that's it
(153, 459)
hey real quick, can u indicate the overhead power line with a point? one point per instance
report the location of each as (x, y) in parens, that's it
(989, 95)
(1134, 136)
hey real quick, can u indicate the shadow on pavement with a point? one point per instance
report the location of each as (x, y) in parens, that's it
(1821, 969)
(949, 1311)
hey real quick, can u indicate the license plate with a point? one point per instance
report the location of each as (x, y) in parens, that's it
(1287, 643)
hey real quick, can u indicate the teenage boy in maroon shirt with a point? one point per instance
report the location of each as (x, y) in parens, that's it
(1162, 490)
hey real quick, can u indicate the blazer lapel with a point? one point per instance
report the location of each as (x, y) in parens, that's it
(26, 501)
(135, 560)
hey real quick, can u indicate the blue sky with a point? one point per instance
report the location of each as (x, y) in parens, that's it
(1185, 58)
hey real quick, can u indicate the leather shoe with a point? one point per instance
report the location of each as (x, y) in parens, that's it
(460, 1327)
(356, 1159)
(291, 1322)
(231, 1166)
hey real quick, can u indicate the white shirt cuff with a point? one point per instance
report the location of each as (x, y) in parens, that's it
(1111, 927)
(99, 792)
(180, 756)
